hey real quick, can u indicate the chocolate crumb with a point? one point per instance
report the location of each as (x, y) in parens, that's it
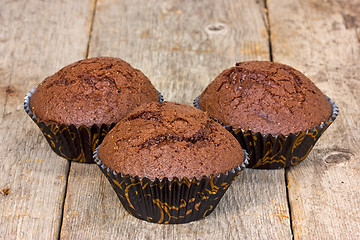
(5, 191)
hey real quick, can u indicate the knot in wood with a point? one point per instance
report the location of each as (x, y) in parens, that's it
(216, 28)
(337, 157)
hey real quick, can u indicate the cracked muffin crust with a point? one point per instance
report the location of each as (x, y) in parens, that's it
(92, 91)
(169, 140)
(265, 97)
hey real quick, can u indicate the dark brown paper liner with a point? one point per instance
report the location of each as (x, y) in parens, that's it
(278, 151)
(170, 201)
(69, 141)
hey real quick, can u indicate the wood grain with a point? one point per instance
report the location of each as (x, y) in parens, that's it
(35, 41)
(181, 47)
(321, 38)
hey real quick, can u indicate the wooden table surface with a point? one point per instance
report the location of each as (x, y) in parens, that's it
(181, 46)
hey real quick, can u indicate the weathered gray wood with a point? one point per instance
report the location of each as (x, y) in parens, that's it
(321, 38)
(36, 39)
(181, 46)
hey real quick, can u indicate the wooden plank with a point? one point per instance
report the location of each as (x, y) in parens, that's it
(321, 38)
(181, 47)
(35, 41)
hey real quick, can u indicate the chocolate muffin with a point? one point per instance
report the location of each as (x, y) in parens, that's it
(171, 140)
(92, 91)
(267, 98)
(171, 145)
(76, 107)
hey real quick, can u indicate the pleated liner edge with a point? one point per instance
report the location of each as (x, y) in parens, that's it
(170, 201)
(69, 141)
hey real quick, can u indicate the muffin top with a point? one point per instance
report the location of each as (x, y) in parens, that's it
(169, 140)
(265, 97)
(99, 90)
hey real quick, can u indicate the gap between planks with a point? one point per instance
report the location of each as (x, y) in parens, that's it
(268, 28)
(64, 198)
(288, 202)
(94, 6)
(91, 28)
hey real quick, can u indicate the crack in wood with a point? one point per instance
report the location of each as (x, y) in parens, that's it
(268, 28)
(288, 202)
